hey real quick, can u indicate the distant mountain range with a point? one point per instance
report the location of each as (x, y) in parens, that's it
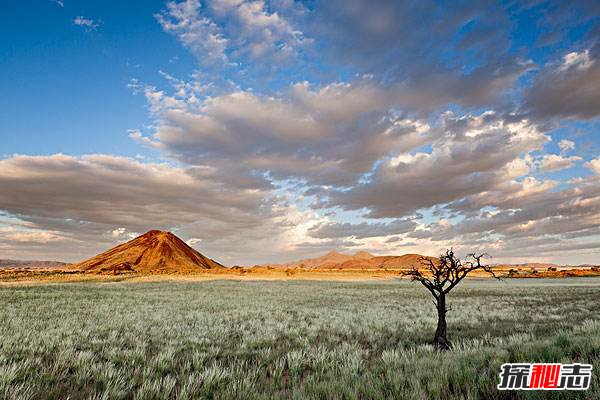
(364, 260)
(163, 252)
(359, 260)
(30, 264)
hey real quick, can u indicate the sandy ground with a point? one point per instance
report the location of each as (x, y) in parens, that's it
(50, 277)
(34, 276)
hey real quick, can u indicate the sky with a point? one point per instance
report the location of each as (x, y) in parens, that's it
(268, 131)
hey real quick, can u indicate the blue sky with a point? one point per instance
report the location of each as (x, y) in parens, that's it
(291, 128)
(76, 80)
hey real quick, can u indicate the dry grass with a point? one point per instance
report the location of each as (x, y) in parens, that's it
(285, 339)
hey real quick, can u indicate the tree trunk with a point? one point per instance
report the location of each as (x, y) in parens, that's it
(440, 341)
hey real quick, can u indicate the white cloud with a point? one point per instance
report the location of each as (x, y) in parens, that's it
(87, 23)
(264, 32)
(569, 90)
(566, 145)
(83, 205)
(12, 234)
(291, 168)
(123, 234)
(594, 165)
(329, 135)
(196, 32)
(472, 154)
(225, 30)
(362, 230)
(555, 162)
(578, 60)
(349, 146)
(193, 241)
(120, 191)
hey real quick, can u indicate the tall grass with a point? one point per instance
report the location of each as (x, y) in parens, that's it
(287, 339)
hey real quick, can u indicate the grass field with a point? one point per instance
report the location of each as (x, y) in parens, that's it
(288, 339)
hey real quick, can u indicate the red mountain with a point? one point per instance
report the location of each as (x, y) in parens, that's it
(360, 260)
(153, 252)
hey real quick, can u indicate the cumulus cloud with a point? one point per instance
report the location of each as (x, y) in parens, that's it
(82, 205)
(569, 89)
(197, 33)
(594, 165)
(99, 194)
(351, 145)
(465, 160)
(329, 135)
(225, 31)
(391, 40)
(347, 143)
(577, 61)
(524, 218)
(555, 162)
(23, 243)
(28, 236)
(119, 191)
(264, 32)
(362, 230)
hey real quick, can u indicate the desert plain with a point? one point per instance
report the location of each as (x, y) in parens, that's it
(155, 319)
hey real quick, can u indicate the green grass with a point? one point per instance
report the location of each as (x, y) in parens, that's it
(294, 339)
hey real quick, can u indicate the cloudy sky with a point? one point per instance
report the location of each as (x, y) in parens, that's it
(263, 131)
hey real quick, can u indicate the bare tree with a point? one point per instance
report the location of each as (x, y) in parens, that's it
(440, 277)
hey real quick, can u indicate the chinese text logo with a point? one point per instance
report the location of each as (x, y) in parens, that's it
(545, 376)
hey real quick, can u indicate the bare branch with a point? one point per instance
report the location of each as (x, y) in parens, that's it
(416, 275)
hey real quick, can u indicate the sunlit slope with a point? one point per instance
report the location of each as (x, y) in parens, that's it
(153, 252)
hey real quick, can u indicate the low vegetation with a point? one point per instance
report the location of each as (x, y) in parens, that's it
(287, 339)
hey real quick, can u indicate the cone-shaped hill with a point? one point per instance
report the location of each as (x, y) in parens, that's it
(153, 252)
